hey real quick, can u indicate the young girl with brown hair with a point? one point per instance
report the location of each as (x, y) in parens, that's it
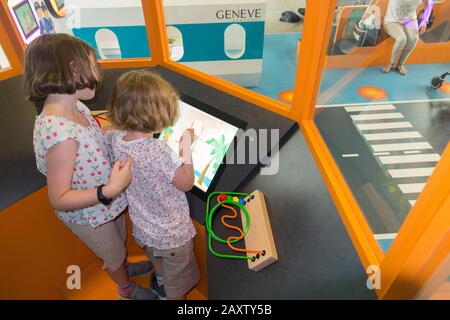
(83, 187)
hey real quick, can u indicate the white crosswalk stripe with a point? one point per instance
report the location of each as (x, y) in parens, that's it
(415, 158)
(384, 125)
(410, 173)
(392, 135)
(401, 146)
(377, 116)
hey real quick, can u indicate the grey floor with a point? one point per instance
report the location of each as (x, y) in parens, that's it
(316, 257)
(379, 194)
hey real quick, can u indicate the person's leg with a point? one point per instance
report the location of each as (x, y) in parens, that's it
(128, 289)
(106, 242)
(157, 265)
(120, 276)
(183, 297)
(412, 37)
(157, 279)
(134, 269)
(396, 31)
(180, 270)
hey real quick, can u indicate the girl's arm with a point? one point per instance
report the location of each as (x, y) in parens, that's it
(428, 6)
(60, 169)
(184, 176)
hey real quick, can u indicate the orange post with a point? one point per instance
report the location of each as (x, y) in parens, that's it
(7, 43)
(156, 30)
(353, 218)
(312, 57)
(12, 30)
(126, 63)
(420, 244)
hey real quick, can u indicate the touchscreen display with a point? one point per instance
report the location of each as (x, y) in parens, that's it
(213, 137)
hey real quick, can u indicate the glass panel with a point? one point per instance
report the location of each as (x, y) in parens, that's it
(252, 43)
(4, 62)
(438, 285)
(116, 29)
(387, 125)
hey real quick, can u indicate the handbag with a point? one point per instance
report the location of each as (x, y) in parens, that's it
(366, 31)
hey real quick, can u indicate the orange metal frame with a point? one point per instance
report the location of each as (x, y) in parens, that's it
(8, 47)
(427, 222)
(10, 35)
(423, 238)
(419, 241)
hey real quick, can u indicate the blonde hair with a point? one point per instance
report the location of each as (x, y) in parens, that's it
(143, 101)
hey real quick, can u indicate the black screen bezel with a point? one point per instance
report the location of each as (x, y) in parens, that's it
(238, 123)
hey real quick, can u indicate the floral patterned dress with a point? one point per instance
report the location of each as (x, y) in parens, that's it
(158, 210)
(92, 164)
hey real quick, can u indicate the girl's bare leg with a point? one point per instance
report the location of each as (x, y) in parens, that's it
(120, 276)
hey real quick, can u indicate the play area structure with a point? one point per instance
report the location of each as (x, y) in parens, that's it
(303, 189)
(256, 231)
(260, 247)
(353, 38)
(210, 35)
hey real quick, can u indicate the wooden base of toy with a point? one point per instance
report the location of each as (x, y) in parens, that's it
(259, 235)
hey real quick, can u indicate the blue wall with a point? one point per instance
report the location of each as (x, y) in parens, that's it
(132, 39)
(202, 42)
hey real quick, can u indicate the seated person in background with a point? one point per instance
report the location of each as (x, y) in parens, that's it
(340, 3)
(400, 23)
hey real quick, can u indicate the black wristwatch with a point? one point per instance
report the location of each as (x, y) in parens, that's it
(101, 197)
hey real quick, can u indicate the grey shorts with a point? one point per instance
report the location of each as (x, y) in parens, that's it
(180, 268)
(107, 241)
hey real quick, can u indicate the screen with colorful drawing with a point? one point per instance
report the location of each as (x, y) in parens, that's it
(26, 18)
(213, 137)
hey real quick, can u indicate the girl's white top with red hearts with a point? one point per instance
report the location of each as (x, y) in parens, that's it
(92, 164)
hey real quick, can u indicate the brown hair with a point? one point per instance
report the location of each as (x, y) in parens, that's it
(59, 64)
(143, 101)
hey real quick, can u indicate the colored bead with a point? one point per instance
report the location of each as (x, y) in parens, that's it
(222, 197)
(242, 202)
(236, 199)
(230, 198)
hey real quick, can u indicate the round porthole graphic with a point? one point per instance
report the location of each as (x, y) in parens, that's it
(176, 46)
(107, 44)
(235, 39)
